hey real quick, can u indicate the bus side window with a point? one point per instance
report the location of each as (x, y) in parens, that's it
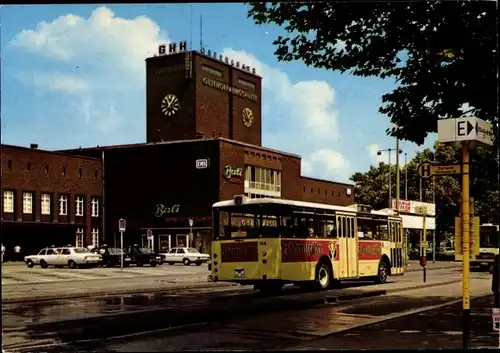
(345, 226)
(353, 230)
(331, 229)
(340, 227)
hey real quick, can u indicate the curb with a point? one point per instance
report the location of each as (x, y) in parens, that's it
(428, 285)
(115, 292)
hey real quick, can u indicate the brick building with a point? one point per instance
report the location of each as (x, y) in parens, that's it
(49, 198)
(203, 145)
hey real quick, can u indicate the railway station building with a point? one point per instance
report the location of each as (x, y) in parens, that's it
(203, 144)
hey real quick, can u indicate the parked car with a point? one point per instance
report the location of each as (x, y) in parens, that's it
(111, 257)
(186, 256)
(73, 257)
(141, 256)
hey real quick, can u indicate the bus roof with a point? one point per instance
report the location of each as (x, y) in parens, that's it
(268, 201)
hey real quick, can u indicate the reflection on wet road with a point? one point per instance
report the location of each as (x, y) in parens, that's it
(34, 321)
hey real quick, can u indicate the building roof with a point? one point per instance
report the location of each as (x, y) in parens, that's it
(327, 181)
(37, 150)
(143, 144)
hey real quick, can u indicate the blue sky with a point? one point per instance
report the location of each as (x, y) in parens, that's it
(74, 75)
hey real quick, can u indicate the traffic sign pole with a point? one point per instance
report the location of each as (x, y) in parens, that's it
(121, 252)
(466, 247)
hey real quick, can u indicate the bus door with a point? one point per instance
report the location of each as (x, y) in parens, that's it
(348, 246)
(396, 247)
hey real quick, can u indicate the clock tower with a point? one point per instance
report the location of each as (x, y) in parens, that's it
(201, 94)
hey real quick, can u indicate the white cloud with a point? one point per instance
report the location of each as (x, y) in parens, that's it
(311, 102)
(124, 43)
(54, 81)
(372, 152)
(327, 164)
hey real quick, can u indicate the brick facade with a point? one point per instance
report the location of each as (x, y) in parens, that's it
(41, 172)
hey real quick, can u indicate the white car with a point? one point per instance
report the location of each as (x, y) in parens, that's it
(186, 256)
(63, 256)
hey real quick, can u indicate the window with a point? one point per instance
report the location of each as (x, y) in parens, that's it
(80, 172)
(79, 238)
(95, 207)
(9, 164)
(64, 171)
(27, 202)
(8, 201)
(50, 252)
(66, 252)
(95, 237)
(96, 174)
(79, 205)
(63, 205)
(28, 166)
(172, 251)
(42, 252)
(45, 204)
(46, 169)
(180, 251)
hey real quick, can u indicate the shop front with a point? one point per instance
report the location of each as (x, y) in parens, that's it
(193, 232)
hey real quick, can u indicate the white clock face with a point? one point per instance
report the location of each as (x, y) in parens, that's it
(170, 105)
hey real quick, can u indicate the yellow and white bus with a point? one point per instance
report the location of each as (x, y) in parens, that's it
(489, 238)
(271, 242)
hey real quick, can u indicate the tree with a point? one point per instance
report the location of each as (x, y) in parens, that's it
(372, 186)
(441, 54)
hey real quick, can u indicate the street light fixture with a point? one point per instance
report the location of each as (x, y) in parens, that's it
(379, 152)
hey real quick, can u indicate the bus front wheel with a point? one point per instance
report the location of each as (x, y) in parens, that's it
(323, 276)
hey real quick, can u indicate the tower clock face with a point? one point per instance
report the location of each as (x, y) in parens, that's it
(170, 105)
(247, 117)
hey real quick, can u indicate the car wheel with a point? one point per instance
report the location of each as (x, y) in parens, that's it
(43, 264)
(72, 264)
(198, 263)
(186, 262)
(383, 271)
(30, 264)
(139, 264)
(153, 264)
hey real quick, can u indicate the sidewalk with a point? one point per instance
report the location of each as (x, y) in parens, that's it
(414, 265)
(434, 329)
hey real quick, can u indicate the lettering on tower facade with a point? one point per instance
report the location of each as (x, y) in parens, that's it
(224, 87)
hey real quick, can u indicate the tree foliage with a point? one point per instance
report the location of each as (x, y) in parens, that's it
(441, 54)
(372, 186)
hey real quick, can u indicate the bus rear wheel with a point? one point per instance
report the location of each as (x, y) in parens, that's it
(323, 276)
(383, 271)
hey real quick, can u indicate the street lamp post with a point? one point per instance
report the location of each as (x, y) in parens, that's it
(406, 176)
(190, 232)
(389, 150)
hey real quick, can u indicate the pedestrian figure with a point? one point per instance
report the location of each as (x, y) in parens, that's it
(3, 252)
(17, 253)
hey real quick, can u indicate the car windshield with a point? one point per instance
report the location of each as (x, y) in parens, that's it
(42, 252)
(192, 251)
(81, 250)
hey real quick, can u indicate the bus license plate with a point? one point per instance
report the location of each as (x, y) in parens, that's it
(239, 272)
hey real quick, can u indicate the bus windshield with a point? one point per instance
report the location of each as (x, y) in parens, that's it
(489, 237)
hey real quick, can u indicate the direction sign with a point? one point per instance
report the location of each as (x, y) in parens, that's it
(122, 225)
(427, 170)
(465, 129)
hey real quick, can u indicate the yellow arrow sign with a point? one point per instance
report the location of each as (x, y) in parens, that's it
(427, 170)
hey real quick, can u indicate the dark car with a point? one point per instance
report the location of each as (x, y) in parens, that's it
(141, 256)
(111, 257)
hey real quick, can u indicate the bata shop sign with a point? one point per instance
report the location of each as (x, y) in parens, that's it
(232, 174)
(162, 210)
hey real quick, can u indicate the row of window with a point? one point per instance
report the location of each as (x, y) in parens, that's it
(46, 204)
(262, 178)
(348, 192)
(63, 169)
(80, 238)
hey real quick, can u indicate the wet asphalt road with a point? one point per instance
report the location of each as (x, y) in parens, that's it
(306, 329)
(18, 319)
